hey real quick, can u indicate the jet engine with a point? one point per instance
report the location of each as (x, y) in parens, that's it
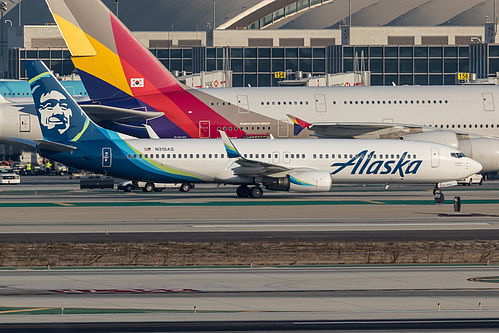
(483, 150)
(302, 181)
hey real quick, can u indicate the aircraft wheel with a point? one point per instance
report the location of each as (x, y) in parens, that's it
(185, 187)
(256, 192)
(243, 191)
(149, 187)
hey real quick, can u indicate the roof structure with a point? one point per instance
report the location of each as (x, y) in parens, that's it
(192, 15)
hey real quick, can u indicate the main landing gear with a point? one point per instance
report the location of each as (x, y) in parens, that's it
(244, 191)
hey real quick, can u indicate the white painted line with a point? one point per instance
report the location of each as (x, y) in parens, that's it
(334, 225)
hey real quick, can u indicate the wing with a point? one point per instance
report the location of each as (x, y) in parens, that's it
(99, 113)
(361, 130)
(252, 168)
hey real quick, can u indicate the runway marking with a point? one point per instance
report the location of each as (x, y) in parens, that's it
(307, 225)
(488, 279)
(251, 203)
(25, 310)
(376, 202)
(117, 291)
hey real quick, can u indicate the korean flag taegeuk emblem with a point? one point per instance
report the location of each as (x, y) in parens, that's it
(137, 82)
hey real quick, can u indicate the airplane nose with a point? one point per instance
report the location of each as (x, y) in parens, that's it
(474, 166)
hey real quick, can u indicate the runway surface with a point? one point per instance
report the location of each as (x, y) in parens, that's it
(54, 209)
(280, 296)
(302, 299)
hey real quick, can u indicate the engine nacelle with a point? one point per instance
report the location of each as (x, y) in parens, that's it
(303, 181)
(447, 138)
(483, 150)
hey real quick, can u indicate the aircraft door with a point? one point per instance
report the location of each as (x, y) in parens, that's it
(24, 123)
(435, 158)
(275, 157)
(282, 130)
(107, 157)
(320, 103)
(488, 102)
(287, 157)
(242, 104)
(204, 128)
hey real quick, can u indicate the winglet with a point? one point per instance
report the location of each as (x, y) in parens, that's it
(299, 125)
(150, 131)
(229, 146)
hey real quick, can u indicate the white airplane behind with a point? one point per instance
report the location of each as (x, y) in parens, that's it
(70, 137)
(121, 73)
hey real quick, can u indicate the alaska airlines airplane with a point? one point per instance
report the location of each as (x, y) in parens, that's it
(70, 137)
(120, 73)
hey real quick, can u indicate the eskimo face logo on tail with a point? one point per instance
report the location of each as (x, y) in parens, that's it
(363, 163)
(55, 112)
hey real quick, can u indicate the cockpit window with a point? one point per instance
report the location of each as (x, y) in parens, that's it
(457, 155)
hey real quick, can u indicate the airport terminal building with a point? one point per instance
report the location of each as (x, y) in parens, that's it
(414, 43)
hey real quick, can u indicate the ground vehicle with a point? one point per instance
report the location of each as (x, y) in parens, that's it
(129, 186)
(9, 176)
(473, 179)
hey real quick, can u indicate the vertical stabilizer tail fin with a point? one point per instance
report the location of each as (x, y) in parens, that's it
(61, 118)
(111, 61)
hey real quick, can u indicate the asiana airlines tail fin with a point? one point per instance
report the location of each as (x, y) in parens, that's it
(110, 60)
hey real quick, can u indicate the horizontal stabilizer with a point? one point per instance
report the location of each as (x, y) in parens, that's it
(99, 113)
(299, 125)
(53, 146)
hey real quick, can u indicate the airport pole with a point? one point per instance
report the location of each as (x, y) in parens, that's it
(117, 7)
(214, 15)
(19, 4)
(350, 13)
(3, 8)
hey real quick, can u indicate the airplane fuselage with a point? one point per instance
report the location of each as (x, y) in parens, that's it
(198, 161)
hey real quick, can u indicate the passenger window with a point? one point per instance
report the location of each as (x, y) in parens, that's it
(191, 156)
(174, 155)
(320, 155)
(314, 156)
(140, 155)
(128, 156)
(197, 155)
(204, 155)
(302, 155)
(162, 155)
(209, 156)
